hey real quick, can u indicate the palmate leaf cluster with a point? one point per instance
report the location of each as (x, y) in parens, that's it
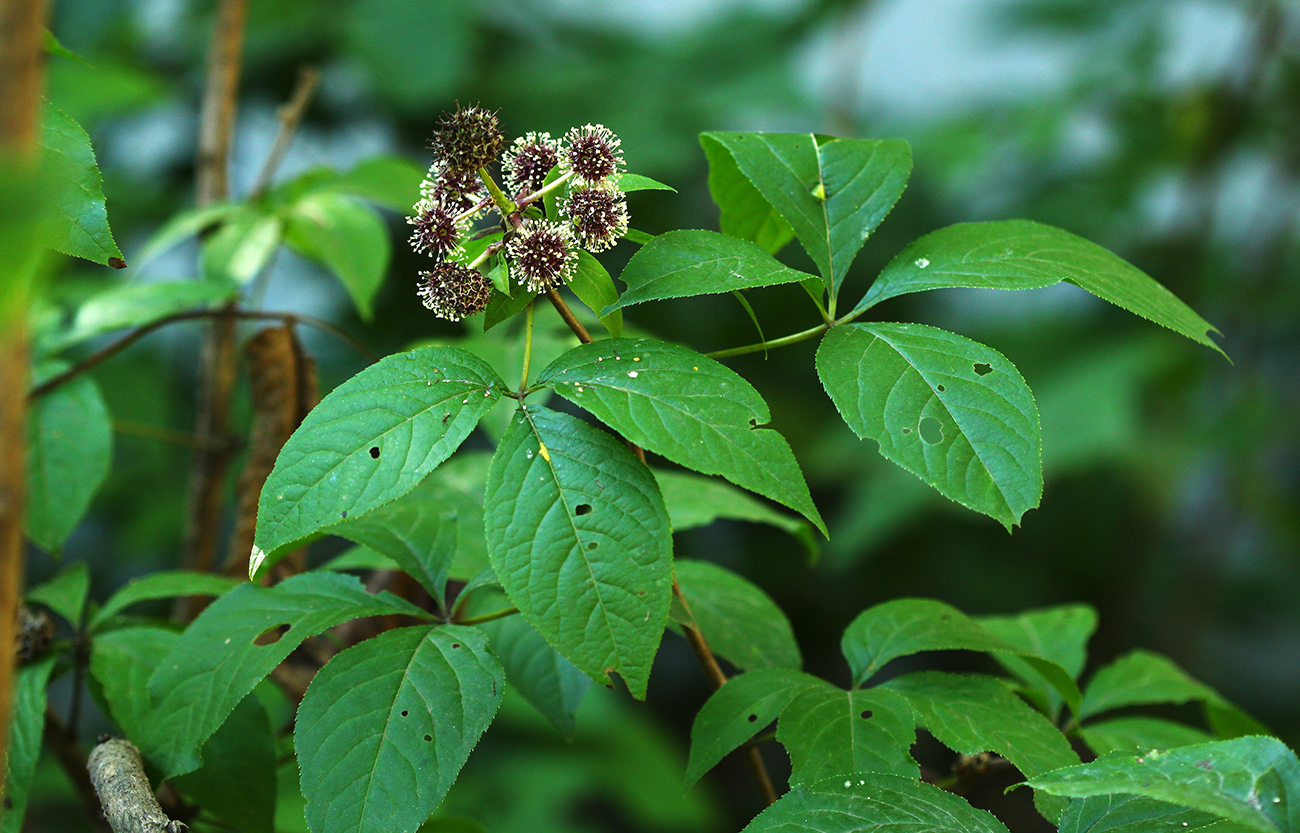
(565, 525)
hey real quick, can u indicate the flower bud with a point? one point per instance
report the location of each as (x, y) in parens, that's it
(543, 254)
(453, 291)
(467, 139)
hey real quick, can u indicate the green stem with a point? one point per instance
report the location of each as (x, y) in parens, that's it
(528, 345)
(487, 253)
(536, 195)
(468, 213)
(503, 203)
(488, 617)
(794, 338)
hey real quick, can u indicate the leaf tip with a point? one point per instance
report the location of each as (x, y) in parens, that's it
(116, 263)
(255, 559)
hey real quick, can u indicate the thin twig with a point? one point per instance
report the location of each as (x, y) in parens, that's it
(699, 645)
(290, 118)
(108, 351)
(220, 94)
(155, 432)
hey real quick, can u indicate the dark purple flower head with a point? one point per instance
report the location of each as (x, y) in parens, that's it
(543, 255)
(592, 153)
(528, 161)
(453, 291)
(467, 139)
(598, 214)
(460, 191)
(437, 230)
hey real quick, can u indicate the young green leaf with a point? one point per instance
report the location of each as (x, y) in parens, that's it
(745, 214)
(165, 584)
(742, 708)
(832, 192)
(696, 412)
(740, 621)
(347, 237)
(135, 304)
(595, 288)
(680, 264)
(121, 661)
(1059, 634)
(872, 801)
(236, 782)
(26, 728)
(390, 181)
(546, 679)
(185, 224)
(1253, 782)
(1134, 814)
(636, 182)
(1140, 734)
(80, 227)
(1140, 678)
(579, 537)
(972, 714)
(829, 731)
(952, 411)
(903, 627)
(66, 593)
(69, 452)
(386, 726)
(236, 642)
(370, 441)
(243, 245)
(1020, 254)
(694, 501)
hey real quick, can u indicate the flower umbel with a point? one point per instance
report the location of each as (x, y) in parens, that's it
(543, 253)
(459, 191)
(436, 228)
(528, 161)
(592, 153)
(598, 214)
(452, 291)
(467, 139)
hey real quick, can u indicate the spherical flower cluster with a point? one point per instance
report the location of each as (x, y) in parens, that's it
(438, 229)
(598, 214)
(593, 153)
(467, 139)
(453, 291)
(543, 254)
(528, 161)
(458, 190)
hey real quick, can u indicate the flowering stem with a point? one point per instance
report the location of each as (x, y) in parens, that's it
(536, 195)
(503, 203)
(528, 345)
(465, 215)
(793, 338)
(487, 253)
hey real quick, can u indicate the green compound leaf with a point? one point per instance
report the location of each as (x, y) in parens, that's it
(166, 584)
(386, 726)
(1253, 782)
(1059, 634)
(829, 731)
(740, 621)
(696, 412)
(1141, 678)
(66, 593)
(872, 801)
(742, 708)
(579, 536)
(243, 245)
(745, 214)
(69, 452)
(1140, 734)
(26, 728)
(1134, 814)
(546, 679)
(695, 501)
(971, 714)
(370, 441)
(218, 659)
(681, 264)
(832, 192)
(1020, 254)
(903, 627)
(950, 410)
(236, 782)
(347, 237)
(595, 288)
(136, 304)
(80, 227)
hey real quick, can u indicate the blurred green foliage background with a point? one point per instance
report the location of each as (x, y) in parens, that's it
(1166, 130)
